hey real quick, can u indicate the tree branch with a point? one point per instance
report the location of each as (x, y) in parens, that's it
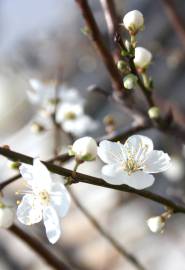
(83, 178)
(115, 136)
(38, 247)
(106, 234)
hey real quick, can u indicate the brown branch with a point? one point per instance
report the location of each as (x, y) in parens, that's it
(176, 21)
(79, 177)
(62, 158)
(99, 44)
(115, 136)
(106, 234)
(39, 248)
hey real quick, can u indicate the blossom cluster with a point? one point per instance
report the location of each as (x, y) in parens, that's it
(70, 106)
(130, 164)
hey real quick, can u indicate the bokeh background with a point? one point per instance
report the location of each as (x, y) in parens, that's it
(40, 39)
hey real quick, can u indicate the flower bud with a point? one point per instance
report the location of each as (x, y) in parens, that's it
(130, 81)
(121, 65)
(37, 128)
(133, 21)
(6, 217)
(84, 149)
(14, 165)
(156, 224)
(127, 45)
(142, 57)
(154, 112)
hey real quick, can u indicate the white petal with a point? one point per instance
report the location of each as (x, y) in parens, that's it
(27, 172)
(111, 152)
(157, 161)
(60, 199)
(52, 224)
(70, 95)
(42, 177)
(139, 180)
(138, 147)
(29, 210)
(68, 108)
(114, 174)
(80, 125)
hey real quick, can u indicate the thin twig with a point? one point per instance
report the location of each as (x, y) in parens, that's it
(79, 177)
(39, 248)
(106, 234)
(176, 21)
(115, 136)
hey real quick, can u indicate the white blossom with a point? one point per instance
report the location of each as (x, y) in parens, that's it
(85, 148)
(142, 57)
(45, 199)
(156, 224)
(133, 21)
(6, 217)
(133, 162)
(74, 120)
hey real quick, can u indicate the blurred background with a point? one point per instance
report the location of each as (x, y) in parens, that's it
(40, 39)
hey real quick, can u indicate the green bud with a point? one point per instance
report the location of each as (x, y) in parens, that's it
(124, 53)
(130, 81)
(14, 165)
(154, 112)
(121, 65)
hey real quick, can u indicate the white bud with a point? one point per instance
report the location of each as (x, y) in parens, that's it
(156, 224)
(142, 57)
(127, 45)
(154, 112)
(6, 217)
(130, 81)
(133, 21)
(85, 149)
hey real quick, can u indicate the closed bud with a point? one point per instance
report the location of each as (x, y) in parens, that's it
(133, 21)
(37, 128)
(121, 65)
(84, 149)
(130, 81)
(14, 165)
(142, 57)
(154, 112)
(156, 224)
(127, 45)
(6, 217)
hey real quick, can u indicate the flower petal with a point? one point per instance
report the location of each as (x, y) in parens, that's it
(138, 146)
(27, 172)
(52, 224)
(80, 125)
(113, 174)
(60, 199)
(42, 177)
(158, 161)
(111, 152)
(29, 210)
(66, 108)
(139, 180)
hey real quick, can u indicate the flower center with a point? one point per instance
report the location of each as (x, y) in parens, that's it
(44, 197)
(70, 115)
(131, 166)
